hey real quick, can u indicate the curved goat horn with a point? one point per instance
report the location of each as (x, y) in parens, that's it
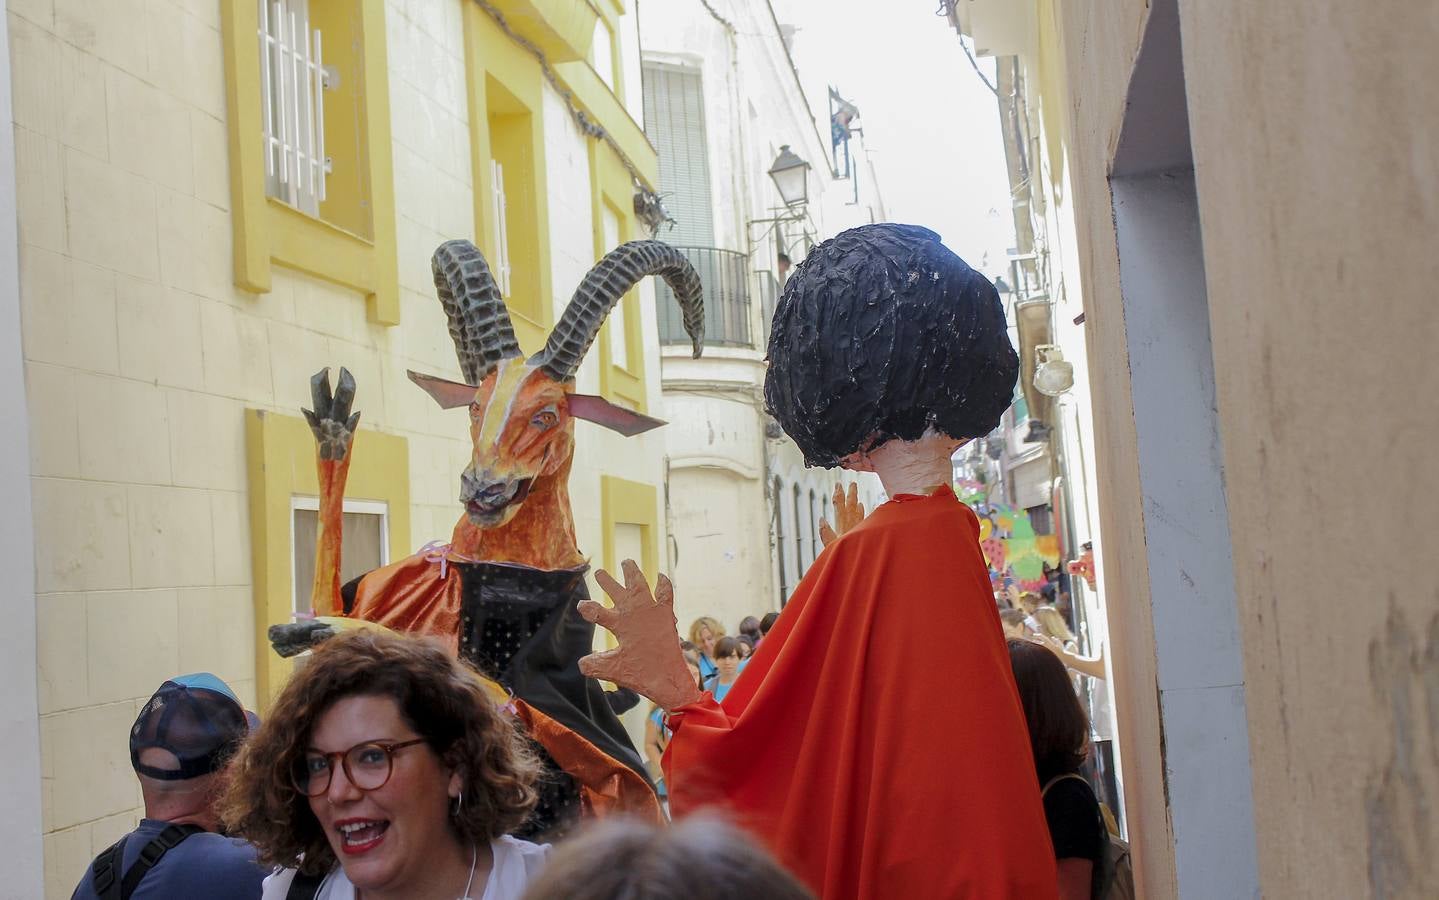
(621, 269)
(479, 321)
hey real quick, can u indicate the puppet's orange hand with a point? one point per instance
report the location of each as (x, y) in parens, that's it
(648, 659)
(848, 512)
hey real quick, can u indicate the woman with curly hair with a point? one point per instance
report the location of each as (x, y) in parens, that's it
(704, 632)
(385, 770)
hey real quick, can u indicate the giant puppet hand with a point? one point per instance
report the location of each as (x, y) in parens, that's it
(648, 659)
(848, 512)
(293, 638)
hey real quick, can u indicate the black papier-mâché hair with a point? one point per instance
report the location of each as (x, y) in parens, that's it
(881, 333)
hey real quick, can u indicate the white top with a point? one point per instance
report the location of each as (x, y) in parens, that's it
(516, 864)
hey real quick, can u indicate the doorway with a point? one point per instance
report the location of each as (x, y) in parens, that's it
(1188, 551)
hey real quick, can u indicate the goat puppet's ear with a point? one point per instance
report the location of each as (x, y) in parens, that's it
(616, 418)
(449, 394)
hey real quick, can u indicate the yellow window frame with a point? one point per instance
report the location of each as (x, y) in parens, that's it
(268, 231)
(624, 502)
(493, 61)
(611, 11)
(280, 453)
(621, 380)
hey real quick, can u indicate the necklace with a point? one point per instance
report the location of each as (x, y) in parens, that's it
(469, 882)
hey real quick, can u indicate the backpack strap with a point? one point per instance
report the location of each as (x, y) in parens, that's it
(1057, 779)
(304, 887)
(103, 870)
(151, 854)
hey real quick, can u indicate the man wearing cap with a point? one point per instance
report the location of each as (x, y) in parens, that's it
(179, 747)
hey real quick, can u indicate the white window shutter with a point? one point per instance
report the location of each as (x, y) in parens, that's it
(292, 104)
(502, 237)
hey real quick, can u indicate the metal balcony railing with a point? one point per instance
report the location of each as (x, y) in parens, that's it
(725, 276)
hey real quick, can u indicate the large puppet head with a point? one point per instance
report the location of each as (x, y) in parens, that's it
(883, 333)
(522, 410)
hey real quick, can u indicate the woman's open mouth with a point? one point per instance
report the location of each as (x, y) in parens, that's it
(361, 835)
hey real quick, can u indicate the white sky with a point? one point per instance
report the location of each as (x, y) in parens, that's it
(931, 126)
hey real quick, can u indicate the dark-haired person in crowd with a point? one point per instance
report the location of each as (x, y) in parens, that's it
(727, 660)
(180, 745)
(749, 627)
(746, 650)
(698, 859)
(1059, 739)
(766, 623)
(386, 770)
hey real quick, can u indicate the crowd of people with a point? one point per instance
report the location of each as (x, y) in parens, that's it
(385, 769)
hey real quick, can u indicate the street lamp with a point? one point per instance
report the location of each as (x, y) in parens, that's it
(791, 177)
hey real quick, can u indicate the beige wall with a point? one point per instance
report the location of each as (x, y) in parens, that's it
(1314, 125)
(1314, 138)
(141, 358)
(19, 714)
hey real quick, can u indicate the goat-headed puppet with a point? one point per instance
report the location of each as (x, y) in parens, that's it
(505, 588)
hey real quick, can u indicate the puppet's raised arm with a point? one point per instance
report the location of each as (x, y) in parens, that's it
(334, 428)
(648, 659)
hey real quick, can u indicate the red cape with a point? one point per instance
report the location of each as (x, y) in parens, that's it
(875, 741)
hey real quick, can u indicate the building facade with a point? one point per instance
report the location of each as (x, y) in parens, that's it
(1041, 459)
(1242, 197)
(216, 200)
(723, 103)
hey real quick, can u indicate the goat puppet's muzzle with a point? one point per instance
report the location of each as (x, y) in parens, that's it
(490, 503)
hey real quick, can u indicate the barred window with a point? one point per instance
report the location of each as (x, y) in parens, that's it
(293, 84)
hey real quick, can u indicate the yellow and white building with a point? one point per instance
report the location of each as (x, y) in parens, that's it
(723, 99)
(184, 268)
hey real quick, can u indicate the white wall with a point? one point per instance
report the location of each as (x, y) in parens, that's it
(19, 709)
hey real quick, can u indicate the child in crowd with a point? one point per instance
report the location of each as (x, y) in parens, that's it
(746, 650)
(727, 660)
